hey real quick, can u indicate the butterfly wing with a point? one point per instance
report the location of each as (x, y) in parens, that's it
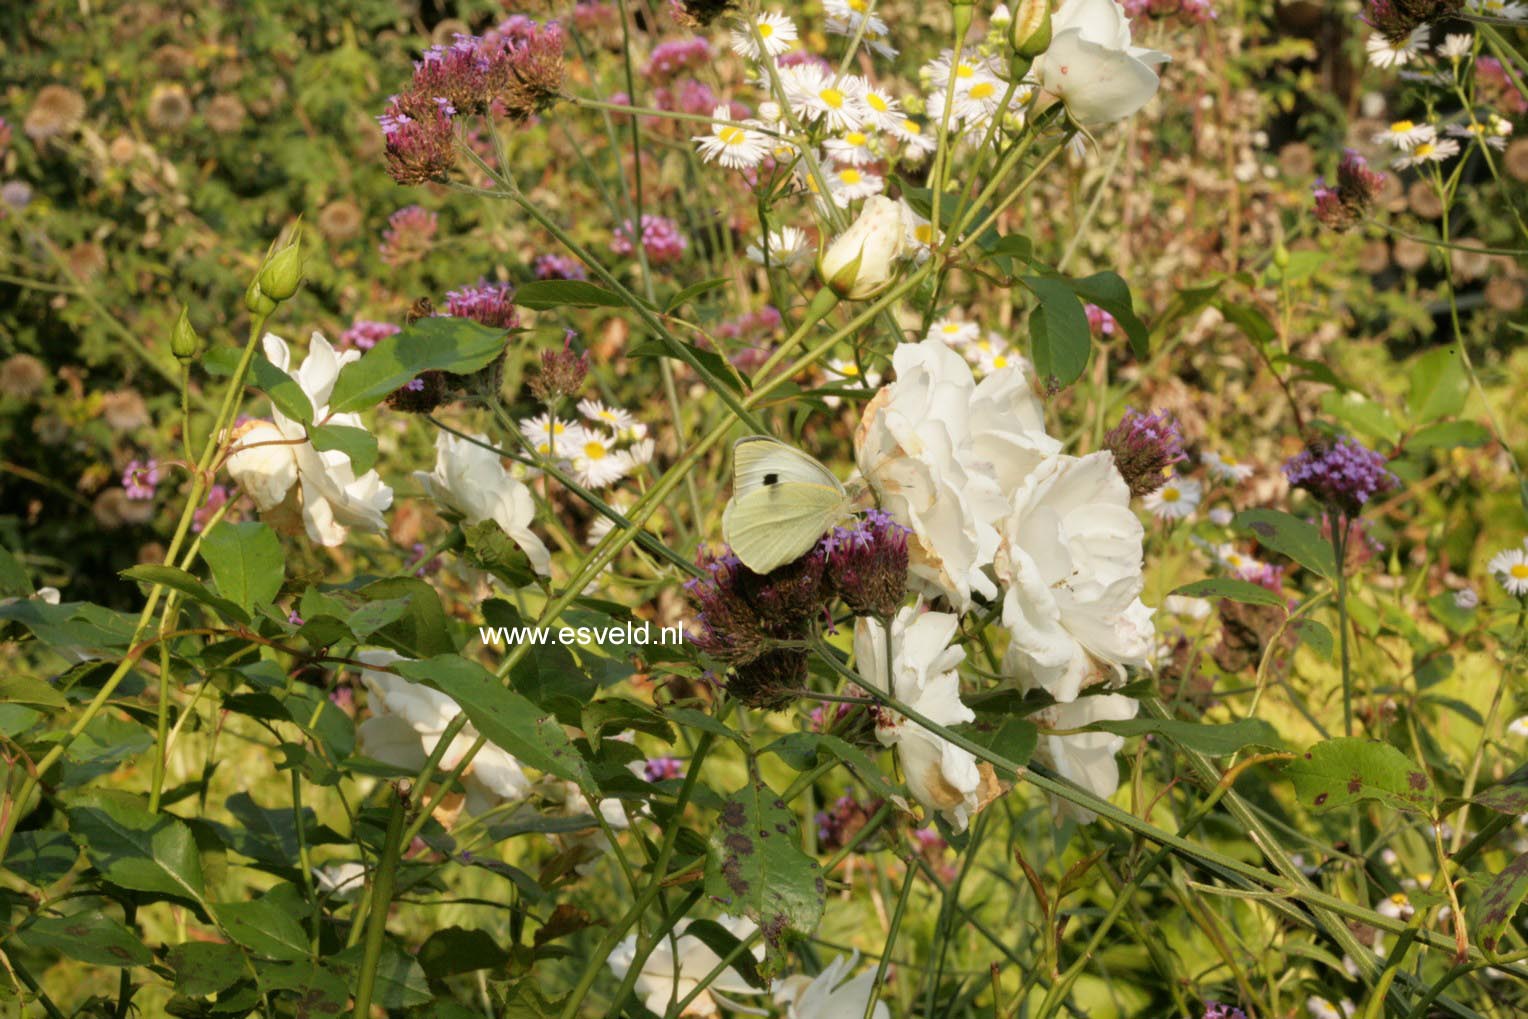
(782, 502)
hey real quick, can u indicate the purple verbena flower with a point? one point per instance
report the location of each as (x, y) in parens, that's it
(489, 303)
(867, 564)
(420, 145)
(559, 267)
(410, 233)
(1144, 447)
(141, 479)
(364, 334)
(1343, 475)
(661, 239)
(670, 58)
(659, 768)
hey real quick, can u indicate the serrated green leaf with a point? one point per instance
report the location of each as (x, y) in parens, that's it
(1499, 902)
(1060, 340)
(246, 561)
(41, 857)
(503, 717)
(91, 937)
(206, 967)
(356, 443)
(1290, 536)
(134, 848)
(17, 688)
(422, 631)
(755, 866)
(1340, 772)
(1212, 739)
(266, 927)
(438, 343)
(1231, 589)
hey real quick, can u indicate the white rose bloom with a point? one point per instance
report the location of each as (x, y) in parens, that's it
(407, 721)
(1008, 427)
(472, 481)
(861, 261)
(1091, 65)
(344, 880)
(286, 476)
(1071, 560)
(829, 995)
(1088, 758)
(940, 775)
(677, 965)
(913, 446)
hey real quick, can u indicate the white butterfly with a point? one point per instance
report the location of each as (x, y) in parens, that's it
(782, 501)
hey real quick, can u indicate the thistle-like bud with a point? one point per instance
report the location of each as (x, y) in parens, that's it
(282, 274)
(1029, 32)
(562, 373)
(184, 343)
(1144, 447)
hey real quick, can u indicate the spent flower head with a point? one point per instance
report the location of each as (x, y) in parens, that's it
(867, 564)
(1144, 447)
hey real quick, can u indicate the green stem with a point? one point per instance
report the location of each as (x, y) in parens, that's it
(1338, 523)
(891, 937)
(381, 900)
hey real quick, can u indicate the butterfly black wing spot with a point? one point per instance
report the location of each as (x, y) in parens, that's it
(771, 478)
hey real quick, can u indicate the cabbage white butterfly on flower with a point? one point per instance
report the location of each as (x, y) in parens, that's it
(782, 501)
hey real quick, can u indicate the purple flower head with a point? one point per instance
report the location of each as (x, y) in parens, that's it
(141, 479)
(294, 618)
(659, 768)
(364, 334)
(1343, 475)
(489, 303)
(559, 267)
(1397, 19)
(1100, 321)
(1344, 206)
(562, 372)
(661, 239)
(675, 56)
(425, 564)
(525, 65)
(1215, 1010)
(420, 143)
(867, 564)
(410, 233)
(459, 73)
(1144, 447)
(217, 497)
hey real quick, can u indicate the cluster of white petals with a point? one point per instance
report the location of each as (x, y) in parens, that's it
(297, 486)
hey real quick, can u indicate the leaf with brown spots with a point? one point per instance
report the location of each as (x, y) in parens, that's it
(755, 865)
(1341, 772)
(1498, 902)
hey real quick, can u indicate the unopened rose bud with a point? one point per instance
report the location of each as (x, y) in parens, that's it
(184, 343)
(282, 274)
(860, 263)
(256, 300)
(1029, 33)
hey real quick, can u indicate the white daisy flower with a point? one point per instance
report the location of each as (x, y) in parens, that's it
(767, 35)
(966, 70)
(882, 111)
(1518, 727)
(1384, 53)
(813, 93)
(1175, 500)
(1397, 907)
(1456, 46)
(734, 144)
(1482, 133)
(994, 354)
(848, 368)
(920, 232)
(845, 17)
(1220, 516)
(614, 418)
(1320, 1008)
(849, 183)
(1406, 134)
(917, 140)
(954, 332)
(852, 149)
(986, 348)
(602, 525)
(1511, 570)
(976, 100)
(1428, 152)
(1509, 10)
(596, 461)
(550, 436)
(640, 452)
(787, 245)
(1231, 558)
(1226, 467)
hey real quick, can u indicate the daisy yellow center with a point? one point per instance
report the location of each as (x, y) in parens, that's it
(1519, 571)
(858, 5)
(924, 233)
(1476, 129)
(607, 416)
(850, 369)
(876, 103)
(1402, 126)
(556, 428)
(855, 138)
(1424, 150)
(1171, 494)
(912, 127)
(982, 90)
(543, 448)
(1229, 461)
(731, 135)
(951, 328)
(849, 176)
(766, 30)
(1399, 898)
(1001, 361)
(1234, 560)
(832, 96)
(964, 71)
(595, 450)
